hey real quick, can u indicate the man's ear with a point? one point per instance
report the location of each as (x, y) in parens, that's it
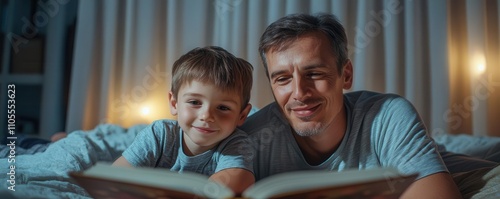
(347, 75)
(244, 114)
(172, 103)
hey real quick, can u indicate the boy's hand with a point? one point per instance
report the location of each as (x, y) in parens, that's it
(237, 180)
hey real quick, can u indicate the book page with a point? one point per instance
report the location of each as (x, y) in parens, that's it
(103, 179)
(314, 184)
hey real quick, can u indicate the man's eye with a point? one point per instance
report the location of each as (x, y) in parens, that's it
(281, 80)
(314, 75)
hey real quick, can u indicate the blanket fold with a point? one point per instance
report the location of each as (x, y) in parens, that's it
(46, 173)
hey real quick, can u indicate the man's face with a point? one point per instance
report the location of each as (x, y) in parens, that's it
(306, 84)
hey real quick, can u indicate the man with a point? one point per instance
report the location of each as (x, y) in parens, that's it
(313, 125)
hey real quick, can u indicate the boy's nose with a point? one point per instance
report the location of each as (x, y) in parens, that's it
(206, 116)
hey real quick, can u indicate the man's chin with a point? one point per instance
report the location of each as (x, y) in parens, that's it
(307, 128)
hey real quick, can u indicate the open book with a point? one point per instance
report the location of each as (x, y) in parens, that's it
(106, 181)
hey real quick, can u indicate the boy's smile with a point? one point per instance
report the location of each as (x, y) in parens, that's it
(205, 130)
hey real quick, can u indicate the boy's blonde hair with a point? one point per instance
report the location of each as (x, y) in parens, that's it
(216, 66)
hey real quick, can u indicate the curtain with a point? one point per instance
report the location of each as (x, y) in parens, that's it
(474, 67)
(422, 50)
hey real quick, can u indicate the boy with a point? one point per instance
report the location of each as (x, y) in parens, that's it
(210, 96)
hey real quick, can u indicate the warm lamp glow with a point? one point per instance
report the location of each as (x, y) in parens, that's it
(145, 110)
(480, 68)
(479, 63)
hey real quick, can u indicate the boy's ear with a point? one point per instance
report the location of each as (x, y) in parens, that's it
(172, 103)
(244, 114)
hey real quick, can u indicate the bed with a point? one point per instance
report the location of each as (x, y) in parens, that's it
(43, 174)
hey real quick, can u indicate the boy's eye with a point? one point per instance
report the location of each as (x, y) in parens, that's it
(224, 108)
(194, 102)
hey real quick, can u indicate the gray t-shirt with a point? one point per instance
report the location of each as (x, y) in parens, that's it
(382, 130)
(160, 145)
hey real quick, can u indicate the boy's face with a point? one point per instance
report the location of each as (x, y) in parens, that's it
(206, 114)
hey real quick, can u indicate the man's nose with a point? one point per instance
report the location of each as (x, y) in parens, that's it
(299, 89)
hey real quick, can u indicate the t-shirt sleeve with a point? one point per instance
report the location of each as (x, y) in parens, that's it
(402, 140)
(146, 149)
(235, 152)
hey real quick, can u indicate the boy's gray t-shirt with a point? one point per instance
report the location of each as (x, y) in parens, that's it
(160, 145)
(382, 130)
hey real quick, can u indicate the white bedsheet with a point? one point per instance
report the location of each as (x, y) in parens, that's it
(483, 147)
